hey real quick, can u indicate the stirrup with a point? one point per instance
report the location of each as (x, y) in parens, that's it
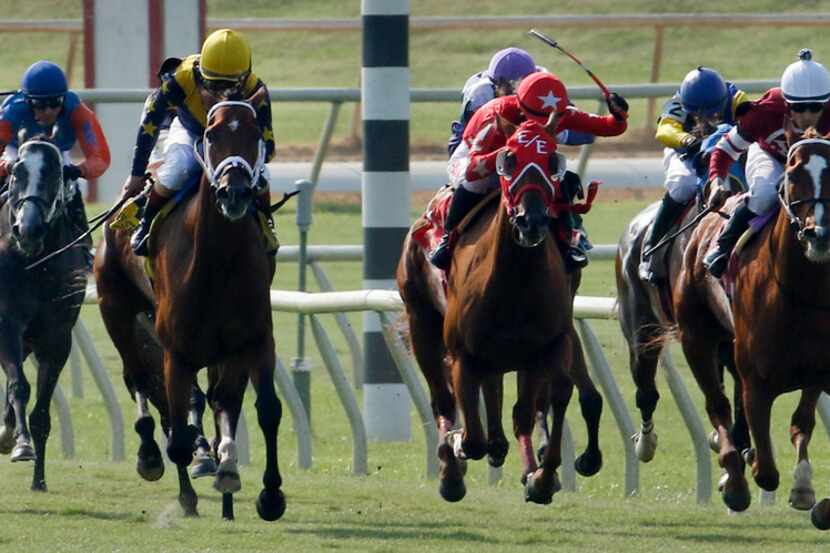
(140, 238)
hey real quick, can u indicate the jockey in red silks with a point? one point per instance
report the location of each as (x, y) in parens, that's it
(541, 97)
(800, 103)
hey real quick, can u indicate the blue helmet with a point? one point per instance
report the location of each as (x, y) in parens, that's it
(510, 64)
(43, 79)
(703, 92)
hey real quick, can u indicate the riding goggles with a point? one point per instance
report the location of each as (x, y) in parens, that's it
(223, 87)
(44, 103)
(812, 107)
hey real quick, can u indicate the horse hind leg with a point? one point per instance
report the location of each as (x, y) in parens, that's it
(643, 359)
(7, 440)
(803, 422)
(497, 444)
(204, 462)
(543, 483)
(149, 462)
(590, 402)
(18, 391)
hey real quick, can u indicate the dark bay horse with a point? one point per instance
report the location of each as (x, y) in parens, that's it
(38, 307)
(211, 299)
(508, 307)
(780, 317)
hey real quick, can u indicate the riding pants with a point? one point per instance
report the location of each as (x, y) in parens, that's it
(681, 177)
(763, 173)
(180, 165)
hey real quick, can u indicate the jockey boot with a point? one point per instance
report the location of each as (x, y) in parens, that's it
(155, 202)
(578, 245)
(666, 215)
(77, 217)
(462, 202)
(718, 257)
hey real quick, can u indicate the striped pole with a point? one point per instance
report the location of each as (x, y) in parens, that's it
(385, 110)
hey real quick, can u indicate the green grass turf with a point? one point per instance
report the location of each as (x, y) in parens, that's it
(96, 505)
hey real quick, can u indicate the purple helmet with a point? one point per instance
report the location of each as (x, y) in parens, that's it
(510, 64)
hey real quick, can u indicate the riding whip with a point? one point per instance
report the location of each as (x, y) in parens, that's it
(550, 42)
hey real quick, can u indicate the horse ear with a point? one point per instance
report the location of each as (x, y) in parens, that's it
(22, 136)
(790, 132)
(506, 126)
(258, 96)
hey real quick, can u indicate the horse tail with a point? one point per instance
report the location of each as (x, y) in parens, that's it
(655, 336)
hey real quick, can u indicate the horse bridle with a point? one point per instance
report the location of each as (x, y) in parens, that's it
(784, 191)
(214, 174)
(47, 211)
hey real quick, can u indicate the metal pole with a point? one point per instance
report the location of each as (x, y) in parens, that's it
(75, 369)
(385, 92)
(300, 366)
(295, 405)
(325, 140)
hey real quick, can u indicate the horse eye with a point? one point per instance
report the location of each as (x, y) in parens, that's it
(505, 163)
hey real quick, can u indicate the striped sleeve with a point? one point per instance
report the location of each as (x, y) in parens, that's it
(727, 150)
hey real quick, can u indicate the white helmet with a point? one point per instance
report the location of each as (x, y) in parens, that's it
(805, 80)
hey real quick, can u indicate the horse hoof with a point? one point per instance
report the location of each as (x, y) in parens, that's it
(802, 499)
(714, 441)
(203, 466)
(39, 486)
(150, 470)
(820, 515)
(533, 495)
(6, 440)
(645, 445)
(737, 499)
(188, 504)
(768, 482)
(588, 464)
(23, 452)
(452, 490)
(227, 479)
(497, 453)
(270, 505)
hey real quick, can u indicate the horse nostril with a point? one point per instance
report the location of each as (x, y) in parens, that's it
(222, 193)
(521, 221)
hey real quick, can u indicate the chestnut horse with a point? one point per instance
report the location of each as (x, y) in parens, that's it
(38, 307)
(211, 293)
(780, 317)
(508, 307)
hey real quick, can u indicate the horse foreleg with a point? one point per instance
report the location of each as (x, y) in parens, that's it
(590, 402)
(178, 380)
(271, 501)
(466, 384)
(802, 424)
(497, 445)
(11, 358)
(7, 428)
(701, 354)
(758, 405)
(51, 358)
(544, 482)
(150, 464)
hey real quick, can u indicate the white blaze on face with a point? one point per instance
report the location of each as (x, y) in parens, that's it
(33, 161)
(234, 124)
(815, 167)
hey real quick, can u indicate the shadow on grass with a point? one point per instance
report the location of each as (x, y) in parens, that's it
(391, 532)
(79, 513)
(338, 208)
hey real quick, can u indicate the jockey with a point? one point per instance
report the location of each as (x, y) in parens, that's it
(541, 97)
(221, 72)
(799, 103)
(693, 113)
(507, 69)
(45, 106)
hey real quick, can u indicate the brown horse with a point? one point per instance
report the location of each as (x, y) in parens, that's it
(508, 307)
(779, 314)
(211, 297)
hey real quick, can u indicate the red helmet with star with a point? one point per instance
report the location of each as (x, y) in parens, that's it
(540, 94)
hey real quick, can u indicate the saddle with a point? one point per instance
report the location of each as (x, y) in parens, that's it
(127, 219)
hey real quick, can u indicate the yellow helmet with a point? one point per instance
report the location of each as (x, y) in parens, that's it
(226, 55)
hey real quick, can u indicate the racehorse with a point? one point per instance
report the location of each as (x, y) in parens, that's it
(646, 313)
(779, 317)
(211, 299)
(508, 307)
(38, 307)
